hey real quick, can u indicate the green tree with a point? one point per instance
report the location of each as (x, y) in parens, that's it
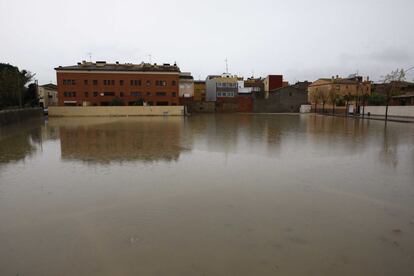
(13, 85)
(117, 102)
(376, 99)
(139, 102)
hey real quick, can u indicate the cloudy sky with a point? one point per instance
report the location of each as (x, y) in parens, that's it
(301, 39)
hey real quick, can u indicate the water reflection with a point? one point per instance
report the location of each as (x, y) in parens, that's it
(109, 196)
(151, 139)
(101, 140)
(20, 141)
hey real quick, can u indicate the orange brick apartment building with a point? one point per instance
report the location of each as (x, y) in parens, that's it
(100, 83)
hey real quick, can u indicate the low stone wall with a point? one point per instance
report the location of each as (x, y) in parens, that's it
(398, 111)
(100, 111)
(202, 107)
(18, 115)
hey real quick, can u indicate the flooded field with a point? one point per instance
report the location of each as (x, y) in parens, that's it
(207, 195)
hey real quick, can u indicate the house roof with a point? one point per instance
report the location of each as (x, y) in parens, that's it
(49, 86)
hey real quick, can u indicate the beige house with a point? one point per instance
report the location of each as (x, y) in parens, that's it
(324, 89)
(47, 95)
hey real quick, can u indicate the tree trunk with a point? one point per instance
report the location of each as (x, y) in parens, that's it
(386, 112)
(346, 109)
(323, 108)
(333, 109)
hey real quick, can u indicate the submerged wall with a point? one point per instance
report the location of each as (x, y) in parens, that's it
(19, 115)
(98, 111)
(400, 111)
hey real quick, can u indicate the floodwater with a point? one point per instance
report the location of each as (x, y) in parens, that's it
(207, 195)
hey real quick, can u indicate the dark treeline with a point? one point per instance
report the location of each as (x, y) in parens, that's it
(16, 87)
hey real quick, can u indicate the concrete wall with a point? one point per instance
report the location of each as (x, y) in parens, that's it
(287, 99)
(402, 111)
(19, 115)
(202, 107)
(93, 111)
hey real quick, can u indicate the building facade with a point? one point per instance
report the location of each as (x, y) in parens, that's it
(352, 88)
(199, 91)
(284, 99)
(221, 88)
(257, 86)
(186, 87)
(102, 83)
(272, 82)
(47, 95)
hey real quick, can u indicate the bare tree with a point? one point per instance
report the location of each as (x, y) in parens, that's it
(323, 97)
(315, 97)
(332, 96)
(347, 99)
(394, 81)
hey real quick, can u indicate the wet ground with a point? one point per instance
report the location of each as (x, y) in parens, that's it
(207, 195)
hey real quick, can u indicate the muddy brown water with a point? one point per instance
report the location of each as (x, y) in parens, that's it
(207, 195)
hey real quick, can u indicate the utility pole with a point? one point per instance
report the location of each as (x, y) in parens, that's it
(90, 56)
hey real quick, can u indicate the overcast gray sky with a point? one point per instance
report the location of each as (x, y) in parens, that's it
(301, 39)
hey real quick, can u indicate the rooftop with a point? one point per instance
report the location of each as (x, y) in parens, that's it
(104, 66)
(49, 86)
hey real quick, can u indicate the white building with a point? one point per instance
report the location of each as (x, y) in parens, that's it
(186, 86)
(243, 90)
(47, 95)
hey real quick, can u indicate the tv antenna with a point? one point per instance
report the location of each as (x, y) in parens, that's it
(150, 58)
(227, 66)
(90, 56)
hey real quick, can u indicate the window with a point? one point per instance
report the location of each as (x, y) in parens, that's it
(135, 94)
(121, 94)
(160, 83)
(148, 93)
(136, 82)
(121, 82)
(161, 94)
(95, 94)
(112, 82)
(69, 82)
(86, 94)
(69, 94)
(85, 82)
(173, 83)
(218, 94)
(174, 94)
(109, 93)
(148, 83)
(95, 82)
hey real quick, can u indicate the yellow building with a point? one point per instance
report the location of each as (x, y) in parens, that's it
(199, 91)
(341, 89)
